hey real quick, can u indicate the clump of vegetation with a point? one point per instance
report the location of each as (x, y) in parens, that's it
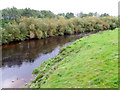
(36, 71)
(23, 24)
(29, 27)
(90, 62)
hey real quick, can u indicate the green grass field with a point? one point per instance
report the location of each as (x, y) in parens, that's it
(90, 62)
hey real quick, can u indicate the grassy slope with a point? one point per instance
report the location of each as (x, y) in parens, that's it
(90, 62)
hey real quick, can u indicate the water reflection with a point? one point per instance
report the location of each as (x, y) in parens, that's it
(29, 50)
(19, 60)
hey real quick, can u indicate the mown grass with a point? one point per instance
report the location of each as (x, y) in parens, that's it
(90, 62)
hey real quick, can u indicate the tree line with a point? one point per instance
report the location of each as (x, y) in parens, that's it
(24, 24)
(14, 13)
(26, 28)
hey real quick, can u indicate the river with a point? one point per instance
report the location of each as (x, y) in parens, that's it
(20, 59)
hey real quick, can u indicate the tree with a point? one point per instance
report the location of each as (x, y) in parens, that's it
(30, 12)
(61, 14)
(46, 14)
(104, 15)
(69, 15)
(81, 14)
(90, 14)
(11, 13)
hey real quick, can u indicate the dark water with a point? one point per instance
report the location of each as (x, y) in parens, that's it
(19, 60)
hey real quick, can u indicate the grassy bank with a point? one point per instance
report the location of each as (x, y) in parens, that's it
(90, 62)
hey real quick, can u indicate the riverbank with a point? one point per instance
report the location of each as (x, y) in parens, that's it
(90, 62)
(20, 59)
(26, 28)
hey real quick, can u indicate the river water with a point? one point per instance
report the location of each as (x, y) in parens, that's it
(20, 59)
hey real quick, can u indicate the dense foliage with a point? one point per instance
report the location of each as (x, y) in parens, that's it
(14, 13)
(28, 28)
(21, 24)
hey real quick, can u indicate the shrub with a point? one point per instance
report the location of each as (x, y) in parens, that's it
(28, 28)
(39, 34)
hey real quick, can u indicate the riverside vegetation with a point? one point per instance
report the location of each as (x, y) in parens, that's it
(25, 28)
(24, 24)
(90, 62)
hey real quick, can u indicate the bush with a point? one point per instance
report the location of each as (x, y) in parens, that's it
(39, 34)
(28, 28)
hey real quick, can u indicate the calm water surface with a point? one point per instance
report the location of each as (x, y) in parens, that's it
(19, 60)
